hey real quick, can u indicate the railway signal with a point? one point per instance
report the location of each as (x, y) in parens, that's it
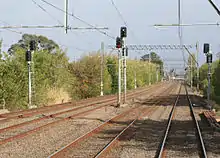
(125, 52)
(32, 47)
(28, 56)
(209, 58)
(118, 42)
(206, 50)
(120, 45)
(123, 32)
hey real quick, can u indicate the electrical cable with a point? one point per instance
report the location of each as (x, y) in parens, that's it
(180, 32)
(18, 32)
(56, 20)
(122, 18)
(215, 7)
(76, 17)
(43, 9)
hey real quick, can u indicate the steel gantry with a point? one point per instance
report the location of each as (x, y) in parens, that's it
(156, 47)
(151, 47)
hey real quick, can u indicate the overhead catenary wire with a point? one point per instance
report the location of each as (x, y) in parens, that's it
(74, 47)
(43, 9)
(78, 18)
(33, 26)
(214, 6)
(17, 32)
(180, 31)
(70, 28)
(195, 24)
(122, 18)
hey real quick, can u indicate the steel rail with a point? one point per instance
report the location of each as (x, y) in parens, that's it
(21, 135)
(59, 113)
(95, 130)
(111, 143)
(51, 116)
(91, 132)
(31, 112)
(162, 146)
(201, 142)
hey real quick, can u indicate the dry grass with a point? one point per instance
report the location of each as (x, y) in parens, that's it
(56, 96)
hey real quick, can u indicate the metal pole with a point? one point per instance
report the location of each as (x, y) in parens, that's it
(119, 78)
(102, 64)
(209, 84)
(135, 80)
(29, 85)
(66, 16)
(149, 76)
(125, 70)
(157, 74)
(197, 51)
(191, 73)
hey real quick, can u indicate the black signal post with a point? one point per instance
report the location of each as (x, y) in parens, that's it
(207, 52)
(32, 48)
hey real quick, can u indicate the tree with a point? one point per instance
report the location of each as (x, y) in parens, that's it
(41, 41)
(112, 70)
(87, 72)
(193, 68)
(51, 78)
(154, 58)
(216, 80)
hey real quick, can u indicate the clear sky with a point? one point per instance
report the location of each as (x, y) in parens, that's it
(140, 15)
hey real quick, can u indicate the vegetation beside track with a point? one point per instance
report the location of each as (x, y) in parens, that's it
(215, 80)
(56, 79)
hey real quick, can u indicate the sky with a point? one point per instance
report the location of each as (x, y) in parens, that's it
(140, 16)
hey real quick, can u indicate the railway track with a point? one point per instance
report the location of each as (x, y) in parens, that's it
(182, 139)
(21, 130)
(64, 109)
(100, 140)
(67, 106)
(211, 135)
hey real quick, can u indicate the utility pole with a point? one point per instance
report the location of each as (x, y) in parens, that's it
(135, 80)
(209, 61)
(29, 60)
(102, 67)
(119, 77)
(197, 51)
(135, 75)
(157, 73)
(125, 70)
(118, 46)
(209, 83)
(124, 54)
(191, 73)
(149, 76)
(66, 15)
(29, 83)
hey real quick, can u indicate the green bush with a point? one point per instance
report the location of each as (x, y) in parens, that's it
(56, 79)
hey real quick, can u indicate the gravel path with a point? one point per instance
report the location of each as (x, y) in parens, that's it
(92, 145)
(210, 136)
(16, 121)
(148, 131)
(48, 140)
(12, 132)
